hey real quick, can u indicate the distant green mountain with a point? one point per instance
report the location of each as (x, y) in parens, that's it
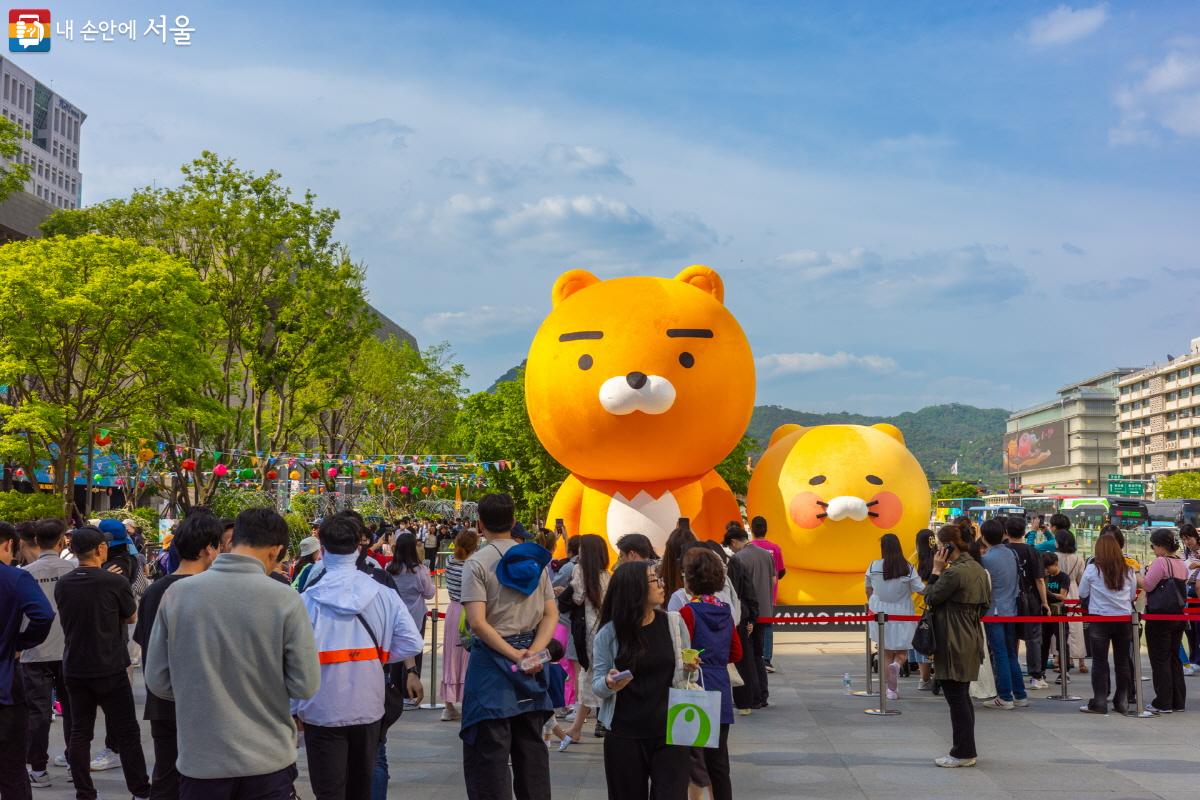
(937, 436)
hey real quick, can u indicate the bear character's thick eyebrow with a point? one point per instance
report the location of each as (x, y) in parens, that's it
(577, 335)
(689, 333)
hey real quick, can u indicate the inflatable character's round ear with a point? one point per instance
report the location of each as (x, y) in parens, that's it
(890, 430)
(570, 282)
(784, 430)
(705, 279)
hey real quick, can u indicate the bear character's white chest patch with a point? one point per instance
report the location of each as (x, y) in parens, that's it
(643, 514)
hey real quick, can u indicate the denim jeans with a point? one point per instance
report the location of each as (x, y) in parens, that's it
(1002, 641)
(379, 780)
(768, 642)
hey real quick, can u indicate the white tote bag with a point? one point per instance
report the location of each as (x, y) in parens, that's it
(694, 717)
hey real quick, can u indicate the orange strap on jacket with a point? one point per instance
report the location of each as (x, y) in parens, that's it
(353, 654)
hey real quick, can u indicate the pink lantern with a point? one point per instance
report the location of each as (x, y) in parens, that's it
(404, 490)
(331, 472)
(220, 470)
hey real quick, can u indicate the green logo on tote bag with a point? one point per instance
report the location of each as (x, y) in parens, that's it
(688, 725)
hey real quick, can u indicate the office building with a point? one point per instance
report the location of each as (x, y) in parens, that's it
(1067, 445)
(51, 126)
(1159, 418)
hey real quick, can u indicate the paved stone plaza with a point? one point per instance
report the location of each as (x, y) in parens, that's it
(814, 742)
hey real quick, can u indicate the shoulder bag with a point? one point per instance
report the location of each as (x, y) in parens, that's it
(393, 695)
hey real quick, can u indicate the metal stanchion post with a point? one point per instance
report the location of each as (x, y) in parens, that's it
(1135, 620)
(1063, 663)
(883, 710)
(433, 704)
(868, 692)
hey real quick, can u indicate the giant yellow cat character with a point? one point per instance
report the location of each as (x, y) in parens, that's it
(640, 386)
(828, 493)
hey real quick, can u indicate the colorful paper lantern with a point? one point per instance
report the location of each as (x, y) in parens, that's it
(392, 488)
(332, 472)
(272, 474)
(246, 474)
(20, 473)
(378, 481)
(362, 473)
(220, 470)
(145, 454)
(102, 438)
(294, 475)
(314, 474)
(403, 489)
(424, 490)
(188, 465)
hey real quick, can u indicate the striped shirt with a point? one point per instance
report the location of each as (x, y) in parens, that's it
(453, 578)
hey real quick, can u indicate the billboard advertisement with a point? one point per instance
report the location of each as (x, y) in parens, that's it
(1035, 448)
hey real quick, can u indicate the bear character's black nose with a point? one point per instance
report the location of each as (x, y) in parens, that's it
(636, 380)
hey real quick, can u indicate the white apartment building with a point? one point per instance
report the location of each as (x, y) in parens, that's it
(1158, 418)
(52, 126)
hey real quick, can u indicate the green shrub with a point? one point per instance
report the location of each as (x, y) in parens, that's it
(229, 503)
(298, 528)
(146, 519)
(21, 506)
(305, 505)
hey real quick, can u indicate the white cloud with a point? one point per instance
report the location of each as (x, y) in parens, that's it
(588, 226)
(1166, 98)
(584, 162)
(479, 323)
(1064, 25)
(384, 130)
(488, 173)
(775, 364)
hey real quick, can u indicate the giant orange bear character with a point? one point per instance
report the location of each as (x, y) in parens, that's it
(640, 386)
(828, 493)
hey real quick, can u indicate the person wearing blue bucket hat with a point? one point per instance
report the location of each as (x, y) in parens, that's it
(512, 614)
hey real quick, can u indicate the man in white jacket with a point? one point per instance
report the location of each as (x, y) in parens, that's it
(359, 627)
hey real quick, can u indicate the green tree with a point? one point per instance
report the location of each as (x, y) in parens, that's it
(97, 331)
(1181, 484)
(13, 172)
(395, 400)
(956, 489)
(735, 468)
(495, 425)
(286, 310)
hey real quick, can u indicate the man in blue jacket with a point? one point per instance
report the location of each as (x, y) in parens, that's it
(20, 599)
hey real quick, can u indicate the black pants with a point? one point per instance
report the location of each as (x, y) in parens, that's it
(1163, 640)
(639, 769)
(14, 727)
(1050, 642)
(962, 718)
(1035, 656)
(717, 763)
(760, 667)
(165, 780)
(1120, 637)
(493, 743)
(113, 694)
(746, 696)
(43, 679)
(341, 760)
(272, 786)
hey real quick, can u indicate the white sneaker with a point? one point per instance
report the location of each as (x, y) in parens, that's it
(1189, 670)
(39, 780)
(891, 695)
(1021, 702)
(61, 761)
(996, 703)
(1038, 683)
(950, 762)
(105, 759)
(450, 714)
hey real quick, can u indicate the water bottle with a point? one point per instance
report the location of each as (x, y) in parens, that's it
(846, 683)
(532, 660)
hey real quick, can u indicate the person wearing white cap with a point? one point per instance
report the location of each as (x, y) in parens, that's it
(310, 554)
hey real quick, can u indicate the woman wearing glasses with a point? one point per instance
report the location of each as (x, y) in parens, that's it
(638, 658)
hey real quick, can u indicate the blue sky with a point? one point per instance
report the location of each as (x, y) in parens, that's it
(910, 203)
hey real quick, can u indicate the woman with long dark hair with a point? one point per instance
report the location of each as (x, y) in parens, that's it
(412, 580)
(924, 565)
(1165, 585)
(890, 583)
(1109, 586)
(671, 568)
(959, 593)
(588, 584)
(639, 657)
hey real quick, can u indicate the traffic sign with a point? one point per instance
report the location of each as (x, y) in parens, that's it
(1114, 477)
(1127, 488)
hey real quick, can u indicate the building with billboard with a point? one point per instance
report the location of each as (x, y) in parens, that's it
(1158, 418)
(1067, 445)
(51, 128)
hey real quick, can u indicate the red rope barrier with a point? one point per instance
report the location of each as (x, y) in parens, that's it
(911, 618)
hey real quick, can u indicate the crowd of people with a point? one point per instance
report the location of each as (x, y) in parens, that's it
(992, 570)
(242, 673)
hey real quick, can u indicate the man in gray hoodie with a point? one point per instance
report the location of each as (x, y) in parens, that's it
(232, 648)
